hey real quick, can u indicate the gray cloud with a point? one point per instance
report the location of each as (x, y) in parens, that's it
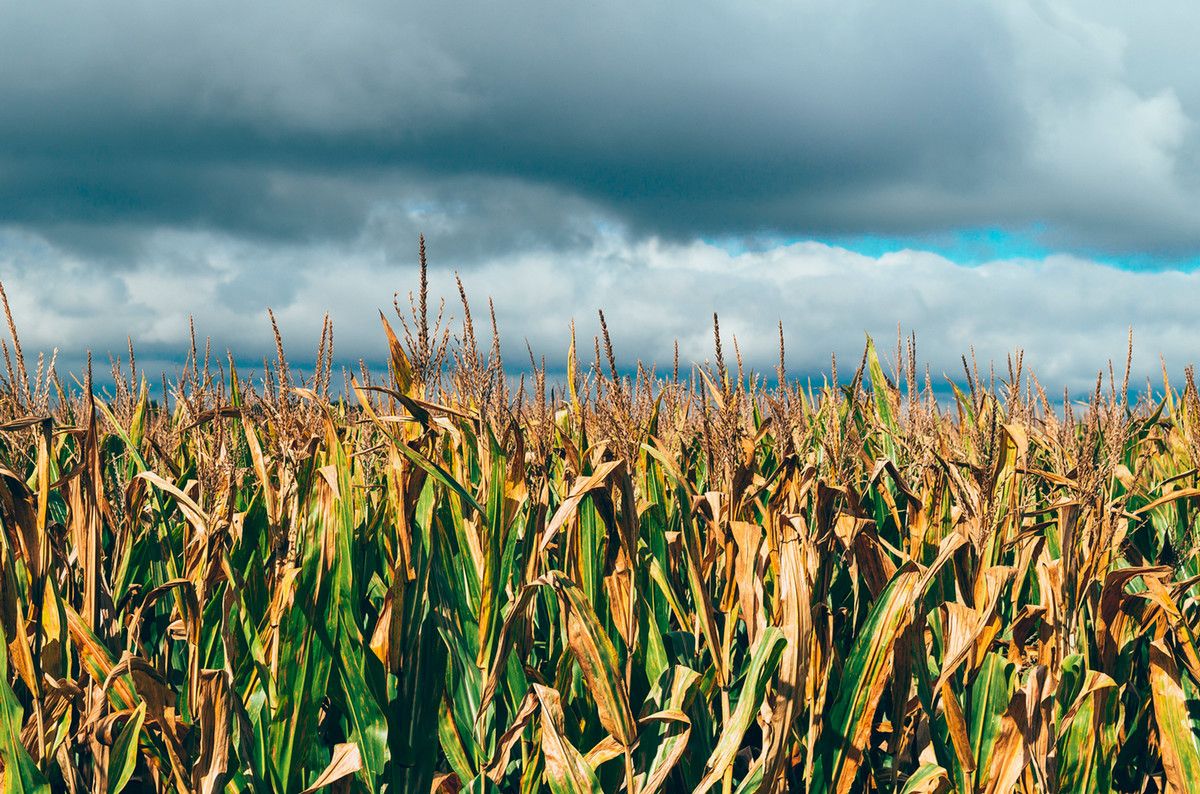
(297, 121)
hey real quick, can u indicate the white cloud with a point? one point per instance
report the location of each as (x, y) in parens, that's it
(1070, 314)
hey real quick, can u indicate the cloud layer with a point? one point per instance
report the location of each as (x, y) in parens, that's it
(165, 159)
(1070, 314)
(296, 120)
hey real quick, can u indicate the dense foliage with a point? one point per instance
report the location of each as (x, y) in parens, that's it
(442, 579)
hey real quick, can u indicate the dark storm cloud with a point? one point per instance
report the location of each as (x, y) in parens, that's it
(292, 120)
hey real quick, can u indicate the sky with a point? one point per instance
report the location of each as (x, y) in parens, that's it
(1000, 175)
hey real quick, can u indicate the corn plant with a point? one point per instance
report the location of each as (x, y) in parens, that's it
(435, 580)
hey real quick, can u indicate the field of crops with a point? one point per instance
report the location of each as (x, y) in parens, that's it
(705, 580)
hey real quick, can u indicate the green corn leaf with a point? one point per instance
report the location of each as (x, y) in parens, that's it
(1088, 736)
(763, 661)
(597, 658)
(928, 779)
(1178, 743)
(665, 731)
(21, 775)
(122, 758)
(864, 678)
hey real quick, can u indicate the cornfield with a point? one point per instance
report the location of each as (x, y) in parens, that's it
(440, 579)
